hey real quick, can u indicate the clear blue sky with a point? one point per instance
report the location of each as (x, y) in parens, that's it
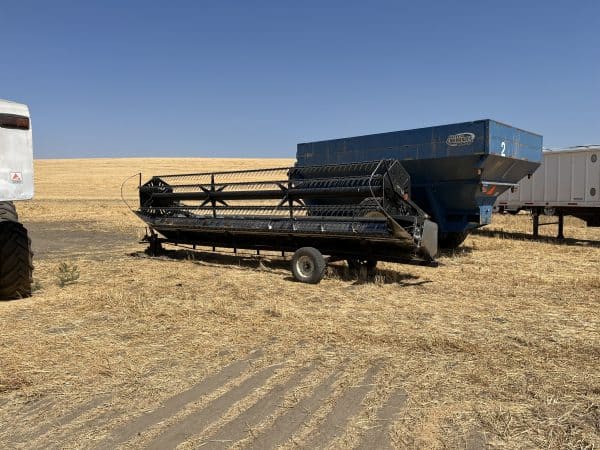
(253, 78)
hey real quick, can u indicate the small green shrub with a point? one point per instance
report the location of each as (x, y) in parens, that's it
(67, 274)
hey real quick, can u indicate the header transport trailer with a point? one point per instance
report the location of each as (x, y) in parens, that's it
(457, 171)
(270, 209)
(566, 184)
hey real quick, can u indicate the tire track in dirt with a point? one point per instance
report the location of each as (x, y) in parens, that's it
(85, 430)
(32, 408)
(197, 421)
(176, 403)
(241, 405)
(476, 440)
(378, 435)
(239, 427)
(347, 406)
(285, 425)
(47, 427)
(30, 412)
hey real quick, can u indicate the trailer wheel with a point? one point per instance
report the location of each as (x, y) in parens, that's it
(8, 212)
(16, 261)
(308, 265)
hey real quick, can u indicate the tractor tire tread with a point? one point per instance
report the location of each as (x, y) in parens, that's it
(8, 212)
(16, 261)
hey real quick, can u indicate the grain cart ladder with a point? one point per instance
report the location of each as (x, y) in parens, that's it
(366, 214)
(16, 183)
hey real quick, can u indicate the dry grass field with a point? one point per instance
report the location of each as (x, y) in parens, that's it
(498, 347)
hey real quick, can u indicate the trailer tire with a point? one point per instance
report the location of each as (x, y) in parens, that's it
(452, 240)
(8, 212)
(308, 265)
(16, 261)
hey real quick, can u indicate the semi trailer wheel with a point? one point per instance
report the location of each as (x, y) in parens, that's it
(16, 261)
(308, 265)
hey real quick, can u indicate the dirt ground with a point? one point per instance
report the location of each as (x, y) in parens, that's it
(497, 347)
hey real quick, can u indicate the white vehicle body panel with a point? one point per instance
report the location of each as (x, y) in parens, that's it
(567, 177)
(16, 156)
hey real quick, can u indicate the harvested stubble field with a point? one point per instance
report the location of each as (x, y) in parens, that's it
(499, 346)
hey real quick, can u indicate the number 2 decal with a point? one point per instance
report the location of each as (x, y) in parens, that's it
(503, 148)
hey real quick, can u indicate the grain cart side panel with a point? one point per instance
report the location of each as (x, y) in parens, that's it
(16, 152)
(446, 141)
(512, 142)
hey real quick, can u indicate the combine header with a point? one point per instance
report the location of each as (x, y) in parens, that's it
(361, 212)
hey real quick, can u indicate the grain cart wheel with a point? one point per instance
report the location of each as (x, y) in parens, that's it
(308, 265)
(364, 269)
(8, 212)
(16, 261)
(355, 264)
(452, 239)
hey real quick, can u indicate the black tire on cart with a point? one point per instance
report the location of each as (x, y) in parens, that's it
(8, 212)
(354, 264)
(308, 265)
(364, 269)
(16, 261)
(452, 240)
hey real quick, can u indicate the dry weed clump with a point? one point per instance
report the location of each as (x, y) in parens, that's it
(12, 379)
(593, 283)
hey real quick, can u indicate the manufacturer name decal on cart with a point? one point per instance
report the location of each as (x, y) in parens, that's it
(16, 177)
(456, 140)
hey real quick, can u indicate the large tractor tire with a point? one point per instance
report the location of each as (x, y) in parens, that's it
(8, 212)
(452, 240)
(16, 257)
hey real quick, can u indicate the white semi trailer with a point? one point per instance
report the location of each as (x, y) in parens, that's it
(16, 183)
(566, 184)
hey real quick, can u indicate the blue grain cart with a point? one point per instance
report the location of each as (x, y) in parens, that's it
(457, 171)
